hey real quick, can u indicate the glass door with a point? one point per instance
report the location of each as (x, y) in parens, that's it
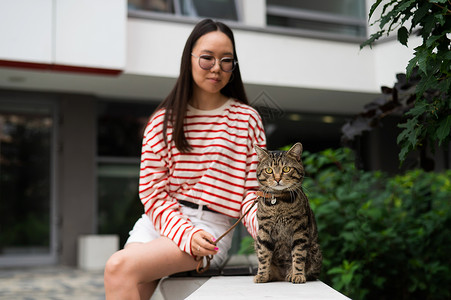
(27, 208)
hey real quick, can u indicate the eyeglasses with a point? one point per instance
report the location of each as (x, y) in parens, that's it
(206, 62)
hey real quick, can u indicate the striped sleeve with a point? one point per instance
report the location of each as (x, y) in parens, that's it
(162, 209)
(256, 136)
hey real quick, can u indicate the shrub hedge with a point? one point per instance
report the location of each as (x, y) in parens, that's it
(382, 237)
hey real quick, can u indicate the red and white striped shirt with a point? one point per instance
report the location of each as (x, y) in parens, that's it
(219, 171)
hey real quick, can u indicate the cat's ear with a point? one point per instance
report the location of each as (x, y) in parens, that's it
(261, 153)
(296, 151)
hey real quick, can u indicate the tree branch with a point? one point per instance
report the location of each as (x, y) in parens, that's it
(442, 7)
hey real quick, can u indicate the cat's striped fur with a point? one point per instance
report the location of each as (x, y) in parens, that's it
(287, 240)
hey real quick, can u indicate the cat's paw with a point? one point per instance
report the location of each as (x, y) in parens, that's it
(261, 278)
(296, 278)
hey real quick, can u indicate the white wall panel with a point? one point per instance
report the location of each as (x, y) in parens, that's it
(301, 62)
(155, 48)
(392, 58)
(90, 33)
(254, 13)
(26, 30)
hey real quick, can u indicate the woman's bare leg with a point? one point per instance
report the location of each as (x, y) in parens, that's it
(137, 268)
(147, 289)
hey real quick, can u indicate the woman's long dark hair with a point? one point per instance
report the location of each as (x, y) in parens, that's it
(177, 101)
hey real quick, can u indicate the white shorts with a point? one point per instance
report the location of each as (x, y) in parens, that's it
(214, 223)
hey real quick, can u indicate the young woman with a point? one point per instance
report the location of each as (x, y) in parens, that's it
(197, 169)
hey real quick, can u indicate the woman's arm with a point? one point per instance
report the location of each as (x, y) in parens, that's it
(256, 136)
(162, 209)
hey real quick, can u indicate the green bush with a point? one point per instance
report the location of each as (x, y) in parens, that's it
(382, 237)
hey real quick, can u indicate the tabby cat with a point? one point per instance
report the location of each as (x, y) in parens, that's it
(287, 239)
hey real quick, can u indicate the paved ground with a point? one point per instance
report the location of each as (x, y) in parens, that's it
(53, 283)
(68, 283)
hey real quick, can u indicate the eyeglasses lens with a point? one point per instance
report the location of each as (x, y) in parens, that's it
(207, 62)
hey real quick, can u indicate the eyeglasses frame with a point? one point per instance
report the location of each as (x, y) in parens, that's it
(235, 62)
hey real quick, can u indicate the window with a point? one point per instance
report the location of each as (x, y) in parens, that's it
(337, 17)
(119, 205)
(216, 9)
(26, 181)
(162, 6)
(119, 139)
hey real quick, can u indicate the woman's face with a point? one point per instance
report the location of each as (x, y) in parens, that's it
(218, 45)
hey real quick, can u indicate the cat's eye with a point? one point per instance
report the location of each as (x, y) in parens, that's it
(286, 169)
(268, 170)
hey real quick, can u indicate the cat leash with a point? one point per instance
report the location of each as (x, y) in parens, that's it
(200, 266)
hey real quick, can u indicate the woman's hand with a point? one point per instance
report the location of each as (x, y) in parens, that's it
(202, 244)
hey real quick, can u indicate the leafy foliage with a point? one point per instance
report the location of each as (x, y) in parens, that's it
(429, 121)
(382, 237)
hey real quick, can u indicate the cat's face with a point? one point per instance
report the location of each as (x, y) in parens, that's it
(280, 170)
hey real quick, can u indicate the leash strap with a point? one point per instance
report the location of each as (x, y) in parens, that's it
(200, 266)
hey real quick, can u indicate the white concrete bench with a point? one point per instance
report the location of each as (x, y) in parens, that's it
(244, 288)
(229, 286)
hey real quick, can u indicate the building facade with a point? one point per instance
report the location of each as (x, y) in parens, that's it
(78, 80)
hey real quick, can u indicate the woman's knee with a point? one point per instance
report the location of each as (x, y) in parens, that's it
(118, 267)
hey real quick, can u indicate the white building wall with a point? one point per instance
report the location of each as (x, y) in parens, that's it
(391, 58)
(98, 34)
(90, 33)
(79, 33)
(301, 62)
(154, 48)
(26, 30)
(254, 13)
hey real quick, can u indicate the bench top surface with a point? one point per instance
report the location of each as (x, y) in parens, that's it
(243, 287)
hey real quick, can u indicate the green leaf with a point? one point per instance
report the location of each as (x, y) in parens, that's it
(428, 25)
(347, 236)
(412, 64)
(370, 41)
(443, 129)
(413, 138)
(420, 13)
(422, 59)
(405, 7)
(418, 110)
(403, 35)
(426, 83)
(431, 40)
(373, 8)
(386, 6)
(413, 128)
(390, 16)
(444, 86)
(447, 56)
(404, 151)
(440, 19)
(403, 135)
